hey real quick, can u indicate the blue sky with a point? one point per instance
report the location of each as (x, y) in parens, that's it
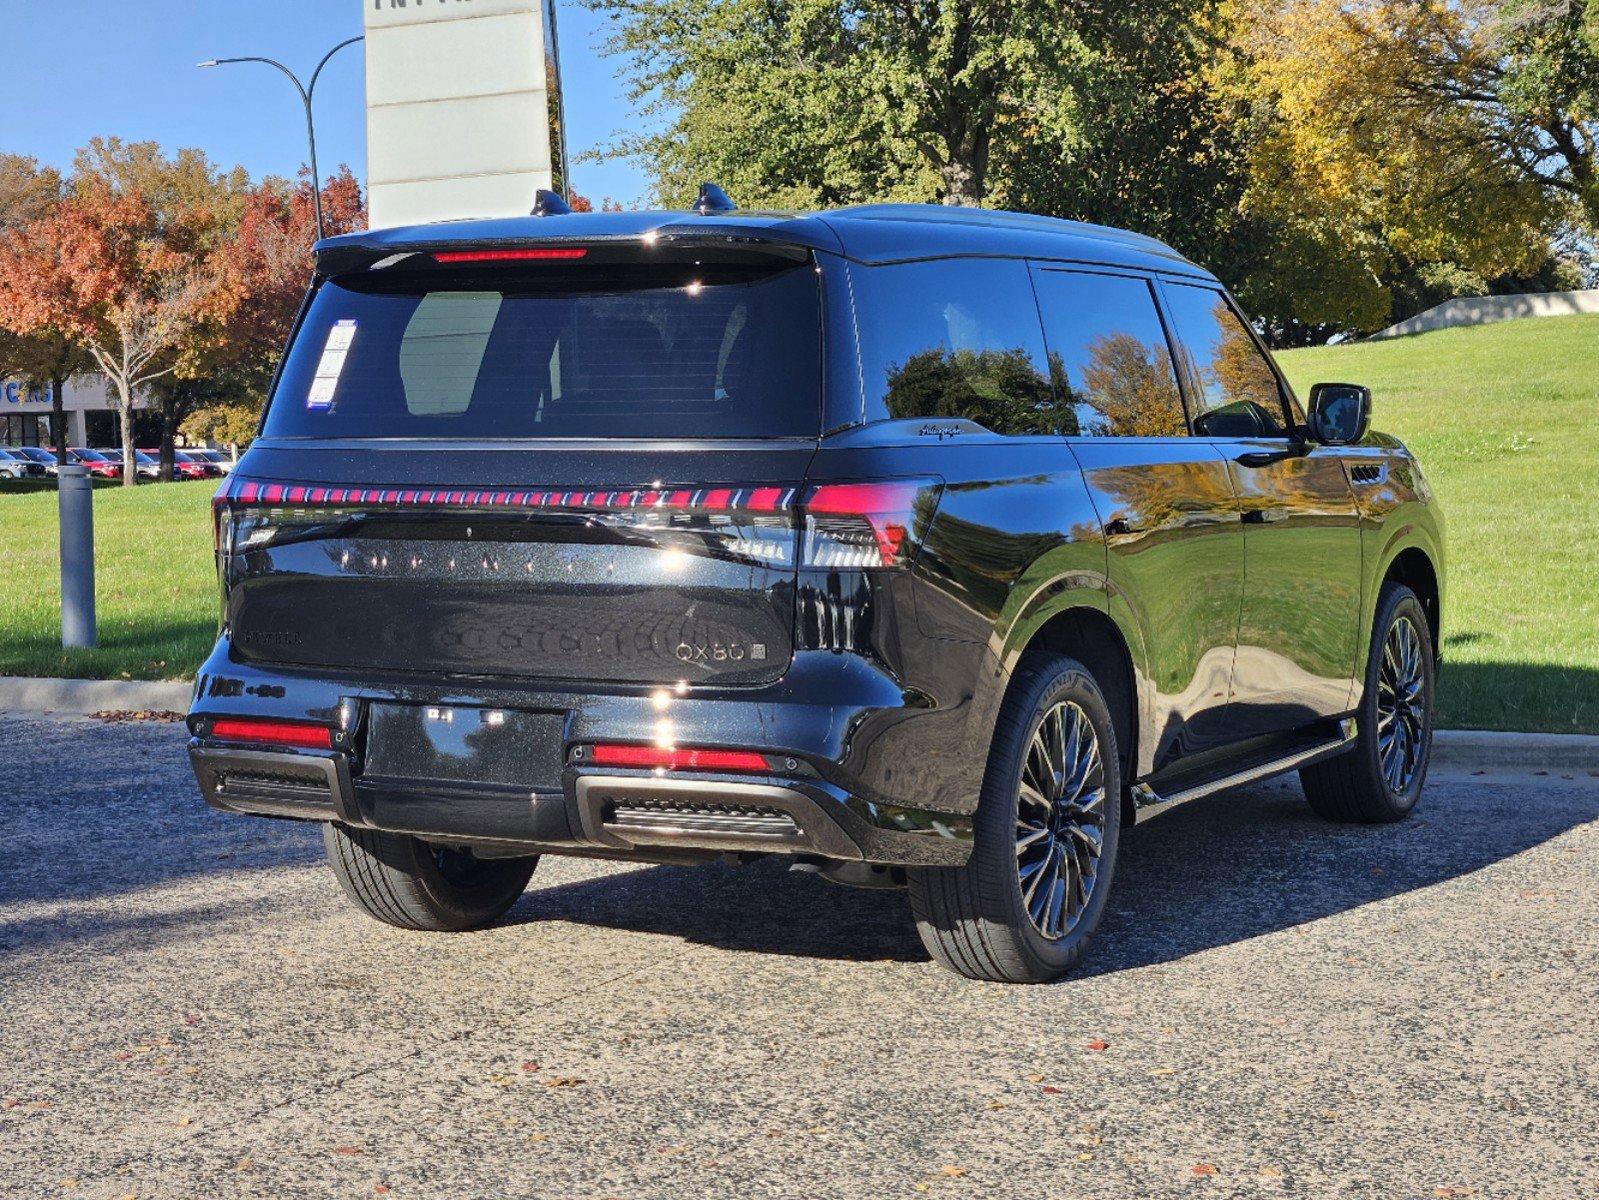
(78, 68)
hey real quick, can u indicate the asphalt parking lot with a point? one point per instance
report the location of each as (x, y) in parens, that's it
(1275, 1007)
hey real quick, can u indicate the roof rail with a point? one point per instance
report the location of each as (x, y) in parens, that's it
(712, 200)
(549, 204)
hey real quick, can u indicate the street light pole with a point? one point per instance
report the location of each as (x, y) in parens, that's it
(307, 95)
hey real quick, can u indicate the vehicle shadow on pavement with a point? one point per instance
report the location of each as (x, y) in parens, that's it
(1222, 870)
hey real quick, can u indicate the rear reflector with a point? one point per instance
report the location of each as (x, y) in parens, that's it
(274, 733)
(541, 254)
(678, 759)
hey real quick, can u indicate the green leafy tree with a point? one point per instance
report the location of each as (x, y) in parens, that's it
(821, 102)
(1407, 151)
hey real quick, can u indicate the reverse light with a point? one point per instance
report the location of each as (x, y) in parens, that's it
(678, 758)
(534, 254)
(864, 526)
(298, 734)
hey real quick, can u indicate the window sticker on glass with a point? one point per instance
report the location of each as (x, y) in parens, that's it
(340, 338)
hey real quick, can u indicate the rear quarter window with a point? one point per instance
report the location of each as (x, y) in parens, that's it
(954, 338)
(649, 352)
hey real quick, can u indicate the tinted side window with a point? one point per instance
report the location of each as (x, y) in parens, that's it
(1239, 393)
(1109, 357)
(954, 338)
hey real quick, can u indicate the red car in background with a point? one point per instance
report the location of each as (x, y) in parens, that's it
(183, 467)
(95, 463)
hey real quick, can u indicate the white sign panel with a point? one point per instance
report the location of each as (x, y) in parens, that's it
(458, 108)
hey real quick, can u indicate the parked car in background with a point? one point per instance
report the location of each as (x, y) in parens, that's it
(18, 466)
(44, 457)
(183, 466)
(95, 462)
(927, 547)
(144, 466)
(220, 459)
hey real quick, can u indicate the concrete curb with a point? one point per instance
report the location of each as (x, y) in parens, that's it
(1455, 749)
(1483, 750)
(91, 695)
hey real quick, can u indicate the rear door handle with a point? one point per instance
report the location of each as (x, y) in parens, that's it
(1263, 458)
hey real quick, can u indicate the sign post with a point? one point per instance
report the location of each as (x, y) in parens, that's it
(463, 109)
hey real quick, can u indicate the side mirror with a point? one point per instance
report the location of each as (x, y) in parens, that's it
(1340, 413)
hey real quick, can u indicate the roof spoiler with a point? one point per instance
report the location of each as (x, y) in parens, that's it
(703, 239)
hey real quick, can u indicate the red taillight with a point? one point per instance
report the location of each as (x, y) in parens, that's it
(676, 759)
(539, 254)
(274, 733)
(862, 526)
(219, 515)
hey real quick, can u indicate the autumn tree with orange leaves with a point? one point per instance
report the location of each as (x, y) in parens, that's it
(179, 282)
(261, 271)
(103, 269)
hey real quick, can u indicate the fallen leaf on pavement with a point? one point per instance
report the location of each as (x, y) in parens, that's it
(1204, 1169)
(1271, 1172)
(1099, 1044)
(1051, 1091)
(565, 1081)
(1035, 1079)
(953, 1172)
(348, 1150)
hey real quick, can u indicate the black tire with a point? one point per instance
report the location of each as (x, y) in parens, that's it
(974, 919)
(1356, 787)
(406, 882)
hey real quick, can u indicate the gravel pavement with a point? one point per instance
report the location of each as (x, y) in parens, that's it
(1275, 1007)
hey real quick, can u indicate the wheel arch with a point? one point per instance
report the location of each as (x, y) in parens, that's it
(1414, 568)
(1089, 635)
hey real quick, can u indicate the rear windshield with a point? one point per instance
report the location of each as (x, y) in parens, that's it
(722, 351)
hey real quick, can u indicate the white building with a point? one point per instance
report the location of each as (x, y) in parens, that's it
(25, 411)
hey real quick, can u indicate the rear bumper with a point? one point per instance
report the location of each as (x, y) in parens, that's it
(819, 799)
(624, 813)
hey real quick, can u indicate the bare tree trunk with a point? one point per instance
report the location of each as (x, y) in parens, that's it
(130, 466)
(964, 170)
(169, 428)
(58, 419)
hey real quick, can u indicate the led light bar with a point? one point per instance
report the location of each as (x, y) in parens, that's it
(539, 254)
(678, 759)
(715, 499)
(298, 734)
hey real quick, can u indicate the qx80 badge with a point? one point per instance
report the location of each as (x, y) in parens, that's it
(718, 652)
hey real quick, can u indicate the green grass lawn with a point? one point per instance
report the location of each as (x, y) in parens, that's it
(1504, 419)
(156, 584)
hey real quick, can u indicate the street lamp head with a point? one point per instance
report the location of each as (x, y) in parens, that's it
(210, 62)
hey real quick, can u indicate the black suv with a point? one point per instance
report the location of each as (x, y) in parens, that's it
(925, 546)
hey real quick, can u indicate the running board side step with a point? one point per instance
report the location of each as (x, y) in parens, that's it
(1147, 802)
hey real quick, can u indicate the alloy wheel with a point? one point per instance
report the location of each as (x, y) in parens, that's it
(1401, 706)
(1060, 820)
